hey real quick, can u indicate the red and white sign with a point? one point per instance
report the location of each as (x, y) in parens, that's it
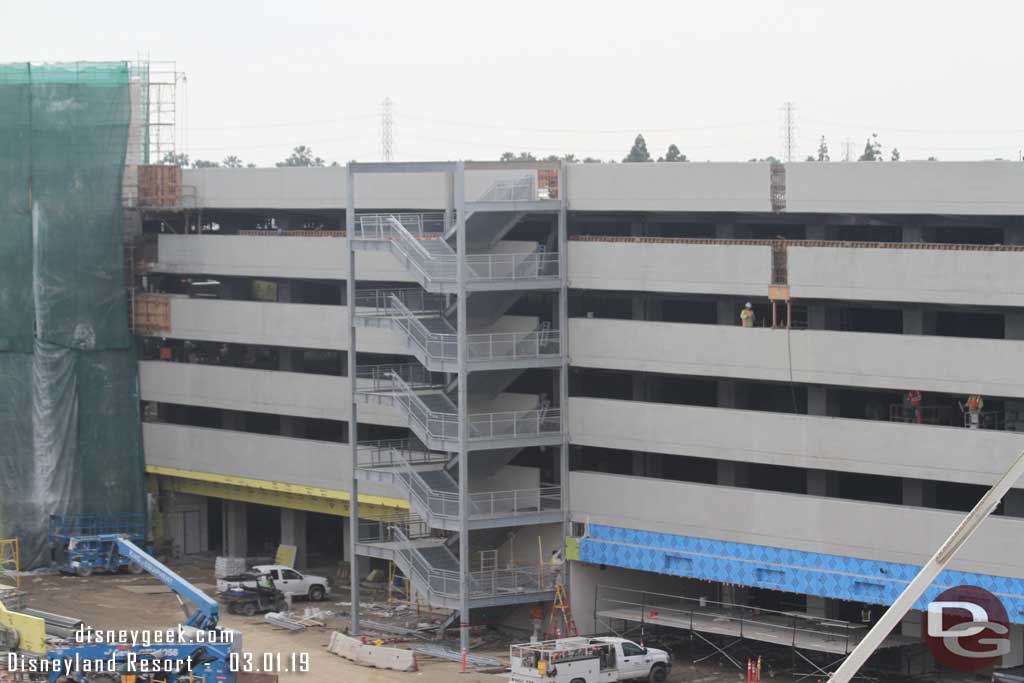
(967, 629)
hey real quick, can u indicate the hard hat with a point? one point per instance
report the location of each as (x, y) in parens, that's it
(748, 305)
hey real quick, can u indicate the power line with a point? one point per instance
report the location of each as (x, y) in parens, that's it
(950, 131)
(469, 124)
(289, 124)
(387, 122)
(281, 144)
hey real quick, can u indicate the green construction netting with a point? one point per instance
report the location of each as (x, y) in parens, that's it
(69, 400)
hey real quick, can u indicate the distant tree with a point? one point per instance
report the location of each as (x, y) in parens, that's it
(523, 156)
(673, 154)
(301, 156)
(933, 158)
(639, 151)
(823, 150)
(895, 154)
(570, 158)
(552, 157)
(769, 159)
(872, 149)
(176, 159)
(335, 164)
(591, 160)
(232, 162)
(202, 163)
(250, 165)
(810, 158)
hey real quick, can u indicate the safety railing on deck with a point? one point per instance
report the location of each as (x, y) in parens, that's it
(397, 377)
(529, 266)
(539, 343)
(402, 459)
(396, 452)
(384, 528)
(483, 584)
(515, 424)
(381, 384)
(419, 224)
(441, 346)
(442, 266)
(415, 300)
(522, 189)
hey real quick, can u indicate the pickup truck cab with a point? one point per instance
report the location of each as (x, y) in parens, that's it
(588, 660)
(286, 580)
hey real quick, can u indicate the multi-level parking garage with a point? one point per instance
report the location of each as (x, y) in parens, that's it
(569, 335)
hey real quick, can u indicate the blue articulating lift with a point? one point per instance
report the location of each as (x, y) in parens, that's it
(77, 545)
(200, 650)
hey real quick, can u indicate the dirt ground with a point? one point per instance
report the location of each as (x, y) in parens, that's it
(103, 602)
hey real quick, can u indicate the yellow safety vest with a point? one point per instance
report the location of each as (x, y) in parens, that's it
(747, 317)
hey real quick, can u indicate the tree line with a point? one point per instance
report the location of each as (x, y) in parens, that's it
(303, 156)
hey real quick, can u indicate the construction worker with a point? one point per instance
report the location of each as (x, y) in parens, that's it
(914, 399)
(975, 404)
(537, 619)
(747, 315)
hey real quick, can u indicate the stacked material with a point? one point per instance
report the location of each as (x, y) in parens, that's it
(12, 598)
(229, 566)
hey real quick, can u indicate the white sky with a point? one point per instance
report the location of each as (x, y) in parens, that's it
(473, 79)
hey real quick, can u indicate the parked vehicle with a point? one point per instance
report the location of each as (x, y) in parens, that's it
(286, 580)
(263, 598)
(588, 660)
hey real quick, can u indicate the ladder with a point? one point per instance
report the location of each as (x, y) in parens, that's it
(560, 623)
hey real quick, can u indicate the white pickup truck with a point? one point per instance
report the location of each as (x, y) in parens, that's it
(588, 660)
(286, 580)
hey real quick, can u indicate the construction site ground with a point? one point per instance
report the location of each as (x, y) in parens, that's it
(120, 601)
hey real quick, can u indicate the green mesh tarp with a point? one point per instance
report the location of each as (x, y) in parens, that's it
(69, 400)
(15, 211)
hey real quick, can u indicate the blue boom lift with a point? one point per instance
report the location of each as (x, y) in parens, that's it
(78, 546)
(201, 650)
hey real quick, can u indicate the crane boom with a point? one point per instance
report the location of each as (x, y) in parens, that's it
(929, 572)
(207, 611)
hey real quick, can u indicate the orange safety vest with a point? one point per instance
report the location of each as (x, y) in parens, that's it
(914, 396)
(975, 403)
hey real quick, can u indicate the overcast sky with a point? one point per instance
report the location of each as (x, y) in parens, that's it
(473, 79)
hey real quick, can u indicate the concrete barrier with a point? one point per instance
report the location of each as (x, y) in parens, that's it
(357, 651)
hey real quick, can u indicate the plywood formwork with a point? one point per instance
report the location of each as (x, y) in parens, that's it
(160, 186)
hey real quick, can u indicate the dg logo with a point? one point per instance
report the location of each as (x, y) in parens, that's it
(967, 629)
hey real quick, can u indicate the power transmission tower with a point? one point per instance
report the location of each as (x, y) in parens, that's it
(848, 149)
(789, 130)
(387, 124)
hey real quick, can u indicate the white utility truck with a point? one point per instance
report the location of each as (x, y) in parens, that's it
(286, 580)
(588, 660)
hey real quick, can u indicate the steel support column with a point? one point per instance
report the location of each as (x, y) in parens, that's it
(459, 182)
(353, 421)
(563, 326)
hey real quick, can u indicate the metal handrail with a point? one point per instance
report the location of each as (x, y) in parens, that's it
(522, 189)
(485, 504)
(414, 299)
(512, 424)
(482, 583)
(420, 223)
(482, 426)
(442, 346)
(436, 425)
(382, 377)
(444, 267)
(391, 452)
(529, 266)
